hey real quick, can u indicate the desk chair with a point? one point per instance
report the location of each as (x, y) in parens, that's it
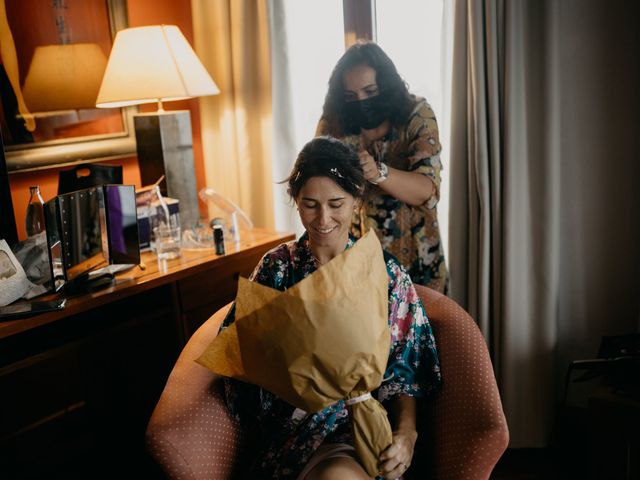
(462, 429)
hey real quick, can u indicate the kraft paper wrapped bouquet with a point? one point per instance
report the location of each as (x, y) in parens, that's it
(322, 340)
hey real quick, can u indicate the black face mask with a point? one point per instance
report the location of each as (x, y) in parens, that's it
(368, 113)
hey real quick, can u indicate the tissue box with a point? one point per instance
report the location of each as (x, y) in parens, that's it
(144, 229)
(13, 280)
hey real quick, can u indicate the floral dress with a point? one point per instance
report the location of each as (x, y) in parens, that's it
(410, 233)
(288, 437)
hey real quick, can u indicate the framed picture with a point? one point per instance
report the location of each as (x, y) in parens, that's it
(50, 74)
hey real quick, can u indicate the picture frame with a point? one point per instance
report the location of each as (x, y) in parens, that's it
(99, 134)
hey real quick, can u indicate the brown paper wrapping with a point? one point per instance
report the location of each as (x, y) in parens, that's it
(323, 340)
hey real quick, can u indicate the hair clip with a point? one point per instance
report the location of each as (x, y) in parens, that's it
(336, 172)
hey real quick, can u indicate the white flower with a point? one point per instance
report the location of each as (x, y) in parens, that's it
(395, 331)
(403, 309)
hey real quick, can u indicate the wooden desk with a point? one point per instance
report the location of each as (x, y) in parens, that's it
(193, 271)
(77, 386)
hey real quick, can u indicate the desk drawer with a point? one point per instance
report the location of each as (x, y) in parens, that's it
(219, 283)
(35, 392)
(202, 294)
(86, 399)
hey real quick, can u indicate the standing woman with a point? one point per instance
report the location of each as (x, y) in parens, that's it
(369, 107)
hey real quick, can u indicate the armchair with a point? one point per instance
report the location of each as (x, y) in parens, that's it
(462, 429)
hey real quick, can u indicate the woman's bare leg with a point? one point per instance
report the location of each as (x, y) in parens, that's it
(340, 468)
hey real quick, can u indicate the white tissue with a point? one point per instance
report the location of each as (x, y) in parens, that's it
(13, 280)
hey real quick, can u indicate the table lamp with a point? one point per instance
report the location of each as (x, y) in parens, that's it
(73, 71)
(157, 64)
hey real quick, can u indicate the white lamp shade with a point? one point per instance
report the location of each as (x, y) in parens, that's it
(151, 64)
(64, 77)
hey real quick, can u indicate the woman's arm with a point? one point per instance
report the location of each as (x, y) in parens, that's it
(412, 371)
(397, 458)
(409, 187)
(404, 415)
(418, 185)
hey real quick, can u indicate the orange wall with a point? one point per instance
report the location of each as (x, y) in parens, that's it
(48, 181)
(141, 12)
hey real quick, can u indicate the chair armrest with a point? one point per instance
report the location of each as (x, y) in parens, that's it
(190, 433)
(464, 424)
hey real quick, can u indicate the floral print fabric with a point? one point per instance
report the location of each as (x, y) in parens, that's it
(287, 436)
(411, 234)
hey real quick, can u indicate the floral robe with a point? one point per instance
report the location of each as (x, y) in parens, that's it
(411, 234)
(289, 437)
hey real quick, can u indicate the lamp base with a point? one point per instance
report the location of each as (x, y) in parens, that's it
(164, 145)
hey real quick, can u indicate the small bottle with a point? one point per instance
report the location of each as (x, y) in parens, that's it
(218, 239)
(34, 223)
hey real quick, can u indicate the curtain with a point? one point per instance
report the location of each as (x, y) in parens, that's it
(307, 39)
(285, 145)
(534, 194)
(232, 40)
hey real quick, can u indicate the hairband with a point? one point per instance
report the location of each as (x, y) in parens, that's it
(336, 172)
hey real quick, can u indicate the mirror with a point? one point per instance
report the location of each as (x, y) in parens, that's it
(52, 61)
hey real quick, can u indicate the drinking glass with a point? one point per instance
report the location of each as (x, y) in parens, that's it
(167, 242)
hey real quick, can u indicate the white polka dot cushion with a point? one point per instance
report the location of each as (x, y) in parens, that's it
(190, 433)
(463, 431)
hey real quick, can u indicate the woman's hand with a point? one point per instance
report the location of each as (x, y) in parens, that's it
(395, 460)
(368, 163)
(397, 457)
(410, 187)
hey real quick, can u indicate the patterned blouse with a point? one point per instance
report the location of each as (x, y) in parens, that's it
(288, 436)
(410, 233)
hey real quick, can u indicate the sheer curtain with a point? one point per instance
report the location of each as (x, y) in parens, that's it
(307, 39)
(418, 38)
(232, 40)
(544, 229)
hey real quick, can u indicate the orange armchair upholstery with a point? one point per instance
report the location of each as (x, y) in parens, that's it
(462, 429)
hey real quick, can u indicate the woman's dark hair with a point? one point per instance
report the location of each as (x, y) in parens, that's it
(396, 94)
(327, 157)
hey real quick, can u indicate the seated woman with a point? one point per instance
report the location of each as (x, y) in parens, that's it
(327, 184)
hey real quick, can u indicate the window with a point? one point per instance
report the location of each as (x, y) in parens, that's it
(415, 35)
(313, 43)
(316, 41)
(410, 31)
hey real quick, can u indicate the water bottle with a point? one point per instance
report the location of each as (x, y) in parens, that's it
(34, 223)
